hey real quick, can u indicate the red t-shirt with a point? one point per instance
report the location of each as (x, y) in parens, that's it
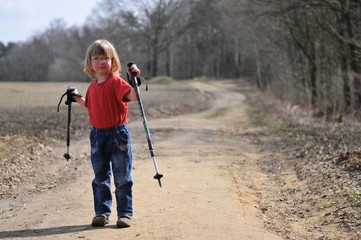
(107, 106)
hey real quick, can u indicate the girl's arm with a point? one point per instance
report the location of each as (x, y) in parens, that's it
(79, 99)
(131, 95)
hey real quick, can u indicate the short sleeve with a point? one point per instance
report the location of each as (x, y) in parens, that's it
(121, 88)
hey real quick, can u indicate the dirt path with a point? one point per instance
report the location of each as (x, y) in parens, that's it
(206, 193)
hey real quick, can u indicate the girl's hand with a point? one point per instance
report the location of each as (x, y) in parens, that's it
(134, 69)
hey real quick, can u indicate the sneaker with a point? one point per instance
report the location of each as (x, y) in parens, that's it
(100, 220)
(124, 222)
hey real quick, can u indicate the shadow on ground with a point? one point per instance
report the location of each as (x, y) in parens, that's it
(41, 232)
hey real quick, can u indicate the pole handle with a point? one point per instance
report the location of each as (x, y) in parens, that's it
(133, 80)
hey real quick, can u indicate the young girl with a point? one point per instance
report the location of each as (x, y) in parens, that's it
(106, 101)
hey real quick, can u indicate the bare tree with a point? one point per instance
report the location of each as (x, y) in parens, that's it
(306, 48)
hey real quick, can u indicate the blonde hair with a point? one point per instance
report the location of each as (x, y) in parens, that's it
(101, 47)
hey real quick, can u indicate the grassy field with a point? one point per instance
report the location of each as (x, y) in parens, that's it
(33, 106)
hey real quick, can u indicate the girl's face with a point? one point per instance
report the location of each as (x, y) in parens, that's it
(102, 65)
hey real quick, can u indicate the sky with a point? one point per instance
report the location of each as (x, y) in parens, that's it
(21, 19)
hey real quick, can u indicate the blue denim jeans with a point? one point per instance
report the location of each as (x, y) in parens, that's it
(111, 153)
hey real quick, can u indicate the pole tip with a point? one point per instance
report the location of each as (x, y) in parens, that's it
(158, 176)
(67, 156)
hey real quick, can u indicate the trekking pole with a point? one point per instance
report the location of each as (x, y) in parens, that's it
(134, 83)
(69, 100)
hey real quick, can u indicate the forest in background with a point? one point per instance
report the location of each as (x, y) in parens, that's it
(307, 52)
